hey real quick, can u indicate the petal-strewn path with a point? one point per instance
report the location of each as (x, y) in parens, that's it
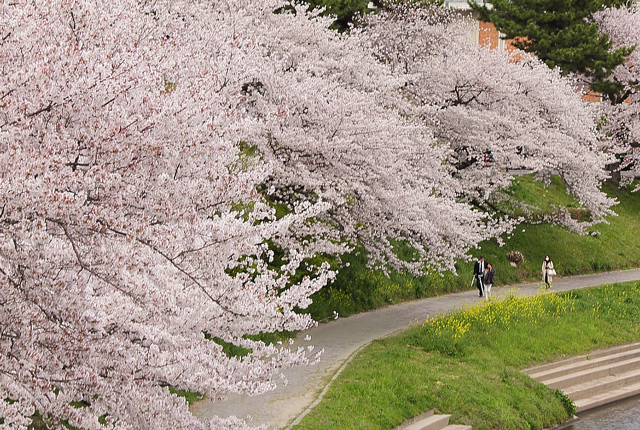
(340, 339)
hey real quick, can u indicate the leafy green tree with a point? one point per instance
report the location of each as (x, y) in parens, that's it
(347, 12)
(344, 11)
(562, 33)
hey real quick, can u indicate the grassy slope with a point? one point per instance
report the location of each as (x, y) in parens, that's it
(612, 246)
(468, 364)
(615, 247)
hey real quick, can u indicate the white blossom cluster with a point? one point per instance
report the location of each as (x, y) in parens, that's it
(621, 121)
(495, 112)
(141, 140)
(129, 225)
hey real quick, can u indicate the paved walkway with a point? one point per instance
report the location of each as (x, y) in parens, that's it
(341, 338)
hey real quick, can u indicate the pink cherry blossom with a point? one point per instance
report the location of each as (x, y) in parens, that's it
(495, 112)
(621, 121)
(130, 224)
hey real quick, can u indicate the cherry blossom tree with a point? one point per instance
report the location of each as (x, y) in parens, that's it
(130, 226)
(345, 140)
(621, 120)
(496, 111)
(133, 223)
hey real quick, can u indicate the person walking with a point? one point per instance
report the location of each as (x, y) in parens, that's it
(478, 273)
(488, 280)
(547, 272)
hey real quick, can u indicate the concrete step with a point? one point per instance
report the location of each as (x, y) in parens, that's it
(575, 378)
(429, 421)
(434, 422)
(591, 355)
(601, 385)
(595, 379)
(608, 397)
(410, 421)
(585, 364)
(552, 370)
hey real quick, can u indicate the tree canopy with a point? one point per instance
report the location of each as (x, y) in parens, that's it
(135, 225)
(621, 120)
(343, 12)
(493, 110)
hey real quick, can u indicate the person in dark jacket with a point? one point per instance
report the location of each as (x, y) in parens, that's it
(489, 275)
(478, 274)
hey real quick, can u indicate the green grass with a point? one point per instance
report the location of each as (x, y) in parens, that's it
(610, 246)
(539, 198)
(468, 364)
(189, 396)
(358, 288)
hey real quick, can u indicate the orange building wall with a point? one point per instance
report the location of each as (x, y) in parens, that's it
(592, 96)
(487, 35)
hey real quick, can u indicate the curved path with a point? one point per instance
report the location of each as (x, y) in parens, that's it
(340, 339)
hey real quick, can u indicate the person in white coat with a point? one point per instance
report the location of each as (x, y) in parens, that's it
(547, 272)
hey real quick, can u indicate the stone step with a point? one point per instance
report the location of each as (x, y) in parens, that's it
(433, 422)
(608, 397)
(410, 421)
(574, 378)
(429, 421)
(593, 354)
(601, 385)
(574, 364)
(595, 379)
(585, 364)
